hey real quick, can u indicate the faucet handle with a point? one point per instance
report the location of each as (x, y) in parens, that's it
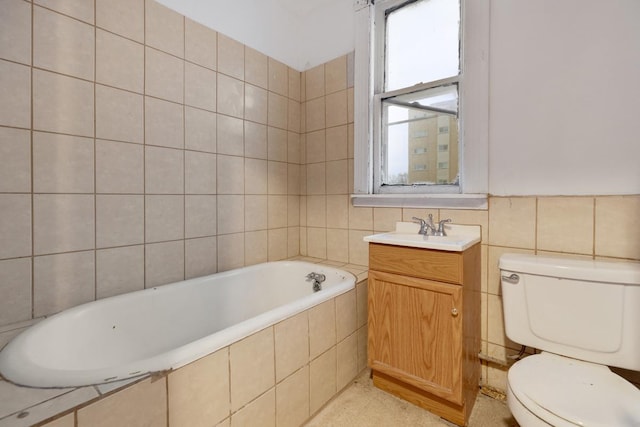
(441, 223)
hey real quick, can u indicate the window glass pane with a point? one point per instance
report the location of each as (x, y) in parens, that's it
(420, 138)
(422, 43)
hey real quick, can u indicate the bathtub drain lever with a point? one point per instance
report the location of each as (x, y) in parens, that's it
(317, 279)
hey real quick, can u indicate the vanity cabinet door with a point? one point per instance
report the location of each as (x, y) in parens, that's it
(415, 332)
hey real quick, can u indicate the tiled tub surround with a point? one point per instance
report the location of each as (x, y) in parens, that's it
(137, 148)
(280, 375)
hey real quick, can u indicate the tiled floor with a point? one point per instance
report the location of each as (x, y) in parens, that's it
(363, 405)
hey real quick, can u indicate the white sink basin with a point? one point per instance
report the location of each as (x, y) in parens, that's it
(458, 238)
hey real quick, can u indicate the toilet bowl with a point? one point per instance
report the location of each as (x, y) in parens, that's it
(583, 316)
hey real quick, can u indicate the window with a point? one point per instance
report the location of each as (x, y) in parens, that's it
(416, 91)
(420, 150)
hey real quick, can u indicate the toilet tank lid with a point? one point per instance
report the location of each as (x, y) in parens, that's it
(623, 272)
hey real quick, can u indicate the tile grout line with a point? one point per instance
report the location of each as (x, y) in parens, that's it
(33, 243)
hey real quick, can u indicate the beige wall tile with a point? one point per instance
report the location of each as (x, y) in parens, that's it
(199, 87)
(322, 379)
(617, 229)
(119, 220)
(261, 411)
(362, 348)
(119, 167)
(199, 392)
(230, 251)
(201, 257)
(255, 208)
(338, 245)
(252, 367)
(119, 270)
(512, 222)
(346, 317)
(360, 218)
(317, 211)
(230, 96)
(322, 328)
(350, 107)
(255, 104)
(164, 218)
(347, 358)
(164, 263)
(15, 20)
(66, 421)
(200, 173)
(293, 116)
(164, 123)
(199, 130)
(200, 44)
(278, 77)
(295, 85)
(62, 281)
(469, 217)
(141, 404)
(63, 44)
(255, 140)
(292, 399)
(336, 143)
(200, 216)
(15, 160)
(291, 345)
(293, 241)
(230, 175)
(164, 28)
(63, 222)
(277, 211)
(336, 109)
(565, 224)
(337, 177)
(277, 244)
(276, 144)
(358, 248)
(316, 174)
(119, 62)
(255, 176)
(164, 170)
(119, 115)
(293, 179)
(15, 275)
(78, 9)
(230, 57)
(361, 304)
(256, 247)
(62, 164)
(164, 75)
(123, 17)
(317, 242)
(62, 104)
(277, 177)
(314, 82)
(15, 95)
(336, 75)
(277, 111)
(293, 147)
(316, 146)
(256, 68)
(230, 214)
(495, 326)
(315, 114)
(15, 225)
(384, 219)
(230, 139)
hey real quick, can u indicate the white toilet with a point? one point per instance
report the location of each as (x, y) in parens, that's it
(584, 316)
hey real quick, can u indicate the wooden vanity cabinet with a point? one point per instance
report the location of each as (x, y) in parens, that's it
(424, 326)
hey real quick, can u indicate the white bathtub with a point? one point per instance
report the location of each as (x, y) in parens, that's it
(165, 327)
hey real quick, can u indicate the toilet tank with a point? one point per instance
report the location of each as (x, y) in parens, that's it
(588, 310)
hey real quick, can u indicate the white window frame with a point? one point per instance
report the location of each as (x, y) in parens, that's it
(473, 123)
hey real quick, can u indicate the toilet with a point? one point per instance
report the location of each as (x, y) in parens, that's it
(584, 316)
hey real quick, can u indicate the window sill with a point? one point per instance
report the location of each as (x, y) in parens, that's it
(440, 201)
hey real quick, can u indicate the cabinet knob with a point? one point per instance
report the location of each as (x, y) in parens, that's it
(454, 312)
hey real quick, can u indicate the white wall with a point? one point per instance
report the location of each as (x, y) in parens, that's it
(299, 33)
(564, 97)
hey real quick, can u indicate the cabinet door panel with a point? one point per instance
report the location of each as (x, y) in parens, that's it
(414, 333)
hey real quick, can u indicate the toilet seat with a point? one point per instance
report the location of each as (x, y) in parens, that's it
(567, 392)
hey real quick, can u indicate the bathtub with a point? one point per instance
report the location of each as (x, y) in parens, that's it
(165, 327)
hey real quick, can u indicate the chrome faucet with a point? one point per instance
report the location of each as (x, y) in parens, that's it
(427, 227)
(317, 279)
